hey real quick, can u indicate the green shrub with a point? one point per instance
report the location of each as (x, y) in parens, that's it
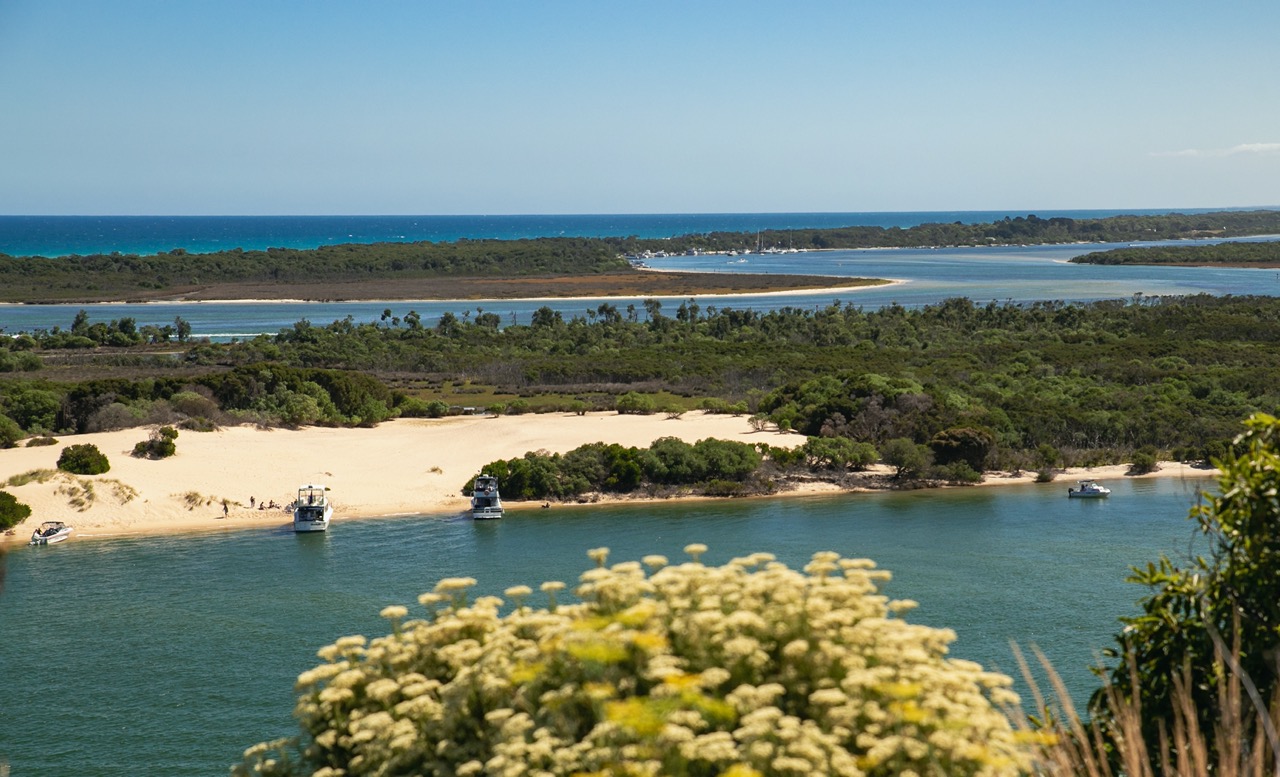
(198, 424)
(43, 440)
(10, 432)
(83, 459)
(12, 512)
(750, 668)
(956, 472)
(160, 445)
(1144, 461)
(634, 403)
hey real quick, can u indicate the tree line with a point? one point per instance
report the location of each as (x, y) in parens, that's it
(1045, 383)
(1258, 254)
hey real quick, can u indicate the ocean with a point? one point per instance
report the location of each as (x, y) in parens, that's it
(66, 235)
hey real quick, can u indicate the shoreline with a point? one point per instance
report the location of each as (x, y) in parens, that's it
(874, 283)
(401, 468)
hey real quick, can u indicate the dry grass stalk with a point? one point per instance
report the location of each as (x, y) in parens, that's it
(1243, 742)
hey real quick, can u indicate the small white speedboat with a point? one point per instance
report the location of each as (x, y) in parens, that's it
(50, 532)
(1088, 489)
(313, 509)
(485, 502)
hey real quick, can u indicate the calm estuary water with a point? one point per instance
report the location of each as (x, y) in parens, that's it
(170, 655)
(1001, 274)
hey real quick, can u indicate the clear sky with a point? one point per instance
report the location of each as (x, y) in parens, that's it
(538, 106)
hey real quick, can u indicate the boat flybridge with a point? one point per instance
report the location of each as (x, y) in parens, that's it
(313, 509)
(485, 502)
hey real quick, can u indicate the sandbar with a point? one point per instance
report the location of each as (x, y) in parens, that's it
(403, 467)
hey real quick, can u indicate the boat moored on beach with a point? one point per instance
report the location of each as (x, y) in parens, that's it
(313, 509)
(485, 502)
(50, 532)
(1088, 489)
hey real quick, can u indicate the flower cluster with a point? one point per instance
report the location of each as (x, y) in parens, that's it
(750, 668)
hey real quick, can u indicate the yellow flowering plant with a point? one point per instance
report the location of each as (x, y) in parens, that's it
(750, 668)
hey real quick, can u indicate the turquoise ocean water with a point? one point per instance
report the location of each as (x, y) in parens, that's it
(169, 655)
(62, 235)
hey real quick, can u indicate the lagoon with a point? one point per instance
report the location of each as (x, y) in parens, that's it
(1001, 274)
(169, 655)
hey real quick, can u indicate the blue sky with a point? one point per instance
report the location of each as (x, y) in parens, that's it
(415, 107)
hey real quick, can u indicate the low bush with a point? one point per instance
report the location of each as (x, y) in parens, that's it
(43, 440)
(83, 459)
(199, 424)
(10, 432)
(635, 404)
(160, 445)
(12, 512)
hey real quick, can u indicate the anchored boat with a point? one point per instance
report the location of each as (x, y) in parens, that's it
(50, 532)
(313, 510)
(485, 502)
(1088, 489)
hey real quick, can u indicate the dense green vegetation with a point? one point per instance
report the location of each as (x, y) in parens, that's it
(127, 273)
(1012, 386)
(123, 276)
(708, 467)
(1262, 254)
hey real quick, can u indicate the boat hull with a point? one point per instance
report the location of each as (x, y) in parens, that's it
(54, 540)
(309, 520)
(1077, 495)
(486, 513)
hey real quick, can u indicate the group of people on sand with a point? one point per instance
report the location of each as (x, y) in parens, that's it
(253, 502)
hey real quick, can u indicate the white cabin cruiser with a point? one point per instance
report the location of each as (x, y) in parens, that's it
(485, 502)
(313, 510)
(1088, 489)
(50, 532)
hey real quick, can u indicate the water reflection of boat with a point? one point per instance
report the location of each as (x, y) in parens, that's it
(313, 510)
(485, 502)
(50, 532)
(1088, 490)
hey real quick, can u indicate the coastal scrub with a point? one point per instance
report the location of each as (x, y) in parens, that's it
(750, 668)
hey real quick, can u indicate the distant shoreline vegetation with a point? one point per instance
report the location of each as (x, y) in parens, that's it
(1260, 255)
(349, 270)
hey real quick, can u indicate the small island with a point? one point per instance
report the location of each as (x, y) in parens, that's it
(1262, 255)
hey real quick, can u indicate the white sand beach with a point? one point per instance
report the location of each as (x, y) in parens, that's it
(401, 467)
(411, 466)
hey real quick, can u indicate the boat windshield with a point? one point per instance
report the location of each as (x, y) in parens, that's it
(311, 495)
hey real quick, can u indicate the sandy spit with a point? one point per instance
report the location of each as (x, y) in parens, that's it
(401, 467)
